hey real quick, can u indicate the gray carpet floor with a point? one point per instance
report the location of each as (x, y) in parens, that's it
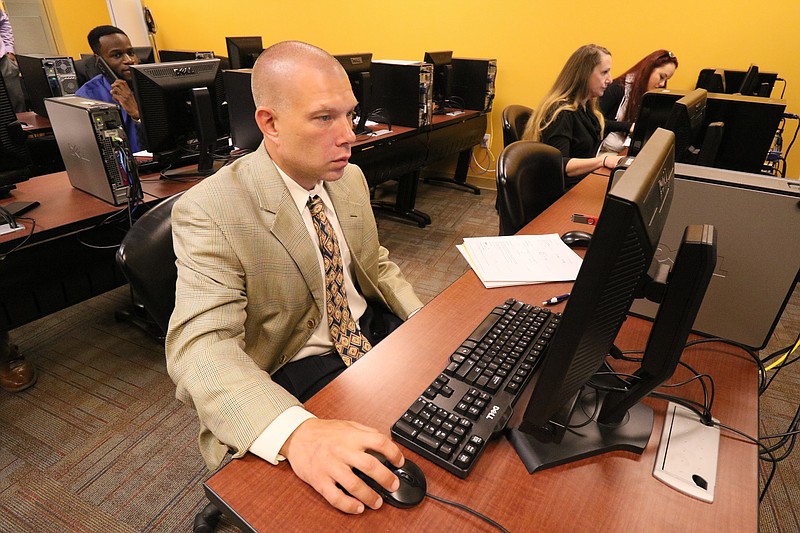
(100, 444)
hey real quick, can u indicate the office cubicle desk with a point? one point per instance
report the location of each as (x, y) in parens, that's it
(612, 492)
(401, 154)
(33, 123)
(443, 143)
(56, 266)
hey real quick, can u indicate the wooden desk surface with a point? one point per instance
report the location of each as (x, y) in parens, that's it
(610, 492)
(33, 123)
(63, 207)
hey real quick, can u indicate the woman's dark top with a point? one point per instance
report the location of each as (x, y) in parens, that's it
(575, 134)
(609, 105)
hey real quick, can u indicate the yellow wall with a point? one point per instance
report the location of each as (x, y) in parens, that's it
(530, 39)
(72, 20)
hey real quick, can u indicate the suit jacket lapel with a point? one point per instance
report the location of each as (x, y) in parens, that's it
(287, 225)
(349, 215)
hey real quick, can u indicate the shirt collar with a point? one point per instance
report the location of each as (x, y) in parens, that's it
(299, 194)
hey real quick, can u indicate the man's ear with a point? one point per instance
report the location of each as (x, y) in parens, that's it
(265, 119)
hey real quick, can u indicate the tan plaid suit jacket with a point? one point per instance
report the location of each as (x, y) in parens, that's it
(250, 293)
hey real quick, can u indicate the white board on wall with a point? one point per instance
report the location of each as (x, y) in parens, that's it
(128, 16)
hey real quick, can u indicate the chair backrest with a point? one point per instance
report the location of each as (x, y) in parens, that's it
(514, 119)
(529, 179)
(147, 259)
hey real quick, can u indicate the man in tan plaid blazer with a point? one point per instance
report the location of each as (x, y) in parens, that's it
(250, 297)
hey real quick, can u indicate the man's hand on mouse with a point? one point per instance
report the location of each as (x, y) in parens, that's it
(324, 452)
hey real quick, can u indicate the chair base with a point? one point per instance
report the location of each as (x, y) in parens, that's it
(137, 315)
(206, 521)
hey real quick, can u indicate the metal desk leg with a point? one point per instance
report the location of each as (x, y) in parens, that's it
(460, 178)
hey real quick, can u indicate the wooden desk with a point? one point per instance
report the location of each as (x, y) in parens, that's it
(443, 143)
(52, 268)
(402, 154)
(33, 123)
(606, 493)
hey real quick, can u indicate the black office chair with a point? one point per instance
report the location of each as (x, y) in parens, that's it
(529, 179)
(514, 119)
(147, 259)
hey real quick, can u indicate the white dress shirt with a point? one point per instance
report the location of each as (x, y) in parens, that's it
(268, 444)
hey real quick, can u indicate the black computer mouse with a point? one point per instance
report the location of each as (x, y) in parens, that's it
(412, 483)
(575, 239)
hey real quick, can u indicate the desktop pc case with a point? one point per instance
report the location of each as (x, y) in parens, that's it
(94, 146)
(758, 262)
(402, 93)
(473, 82)
(45, 76)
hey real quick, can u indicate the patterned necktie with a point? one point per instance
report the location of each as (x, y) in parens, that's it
(350, 343)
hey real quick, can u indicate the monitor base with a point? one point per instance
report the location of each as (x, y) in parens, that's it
(586, 437)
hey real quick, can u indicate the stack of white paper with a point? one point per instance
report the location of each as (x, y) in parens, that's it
(520, 259)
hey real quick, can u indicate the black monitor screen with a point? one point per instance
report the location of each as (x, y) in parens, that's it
(731, 81)
(168, 56)
(357, 67)
(574, 410)
(687, 121)
(182, 108)
(243, 51)
(145, 54)
(747, 125)
(15, 161)
(749, 85)
(442, 78)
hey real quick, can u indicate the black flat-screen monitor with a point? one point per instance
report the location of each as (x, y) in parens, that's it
(183, 111)
(749, 84)
(687, 121)
(442, 79)
(168, 56)
(357, 67)
(730, 82)
(145, 54)
(576, 411)
(243, 51)
(748, 125)
(15, 159)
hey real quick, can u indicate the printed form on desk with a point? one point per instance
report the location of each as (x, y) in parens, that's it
(520, 259)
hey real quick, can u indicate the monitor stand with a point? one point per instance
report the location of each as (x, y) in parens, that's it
(586, 437)
(5, 190)
(191, 172)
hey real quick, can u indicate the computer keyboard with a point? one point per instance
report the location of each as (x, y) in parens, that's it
(452, 421)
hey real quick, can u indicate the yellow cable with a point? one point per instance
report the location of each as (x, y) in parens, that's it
(780, 361)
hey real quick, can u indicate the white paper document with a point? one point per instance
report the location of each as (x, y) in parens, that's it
(520, 259)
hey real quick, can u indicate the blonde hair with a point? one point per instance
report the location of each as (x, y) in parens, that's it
(570, 88)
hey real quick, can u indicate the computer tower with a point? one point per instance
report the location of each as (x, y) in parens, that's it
(45, 76)
(241, 108)
(92, 141)
(402, 92)
(473, 82)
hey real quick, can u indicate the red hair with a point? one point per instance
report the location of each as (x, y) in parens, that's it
(641, 72)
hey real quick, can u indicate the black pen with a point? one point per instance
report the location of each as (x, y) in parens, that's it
(556, 299)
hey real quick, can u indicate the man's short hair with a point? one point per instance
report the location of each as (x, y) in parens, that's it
(101, 31)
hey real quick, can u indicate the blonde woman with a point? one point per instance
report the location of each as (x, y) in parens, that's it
(569, 117)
